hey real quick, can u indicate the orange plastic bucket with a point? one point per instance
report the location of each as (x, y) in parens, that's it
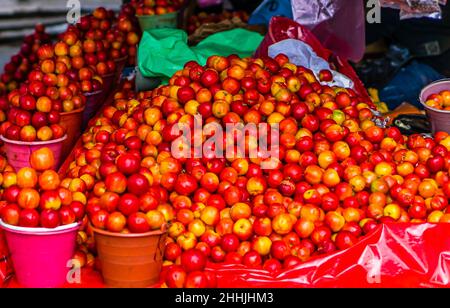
(18, 152)
(72, 122)
(130, 260)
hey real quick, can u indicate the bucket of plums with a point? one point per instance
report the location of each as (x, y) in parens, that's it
(436, 100)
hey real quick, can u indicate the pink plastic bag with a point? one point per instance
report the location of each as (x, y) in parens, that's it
(329, 20)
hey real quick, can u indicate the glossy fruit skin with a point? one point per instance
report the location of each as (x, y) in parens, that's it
(10, 214)
(172, 251)
(252, 259)
(137, 184)
(116, 222)
(42, 159)
(128, 204)
(196, 279)
(137, 223)
(175, 277)
(29, 218)
(280, 250)
(128, 164)
(49, 219)
(345, 239)
(185, 184)
(230, 242)
(193, 260)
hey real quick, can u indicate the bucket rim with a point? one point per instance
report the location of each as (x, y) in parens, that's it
(153, 16)
(40, 231)
(443, 80)
(128, 235)
(121, 59)
(79, 110)
(109, 75)
(93, 93)
(18, 142)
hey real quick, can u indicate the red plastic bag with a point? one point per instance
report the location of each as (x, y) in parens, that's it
(395, 255)
(281, 28)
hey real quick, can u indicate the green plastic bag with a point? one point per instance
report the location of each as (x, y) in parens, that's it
(162, 52)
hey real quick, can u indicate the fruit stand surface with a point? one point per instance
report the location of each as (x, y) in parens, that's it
(394, 255)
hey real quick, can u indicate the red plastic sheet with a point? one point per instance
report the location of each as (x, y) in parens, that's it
(395, 255)
(281, 28)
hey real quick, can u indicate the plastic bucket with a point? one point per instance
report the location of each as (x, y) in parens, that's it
(108, 82)
(120, 65)
(18, 152)
(72, 122)
(94, 101)
(440, 119)
(40, 256)
(147, 22)
(130, 260)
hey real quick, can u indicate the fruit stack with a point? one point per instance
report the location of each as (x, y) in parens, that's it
(125, 35)
(93, 29)
(158, 14)
(34, 113)
(33, 197)
(16, 71)
(156, 7)
(327, 178)
(440, 101)
(336, 178)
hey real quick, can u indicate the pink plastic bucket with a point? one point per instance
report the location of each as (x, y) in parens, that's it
(440, 119)
(18, 152)
(40, 256)
(94, 101)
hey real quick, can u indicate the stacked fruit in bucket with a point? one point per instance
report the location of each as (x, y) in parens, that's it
(93, 29)
(156, 7)
(153, 14)
(17, 69)
(33, 197)
(40, 218)
(33, 117)
(124, 37)
(81, 72)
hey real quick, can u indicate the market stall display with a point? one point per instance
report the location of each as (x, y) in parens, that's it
(239, 171)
